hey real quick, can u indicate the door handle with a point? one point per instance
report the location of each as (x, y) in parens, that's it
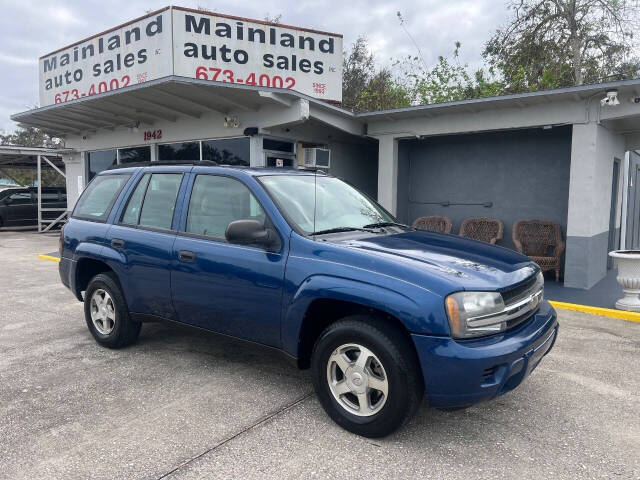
(117, 243)
(186, 256)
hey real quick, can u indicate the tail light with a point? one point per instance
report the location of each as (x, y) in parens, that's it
(61, 241)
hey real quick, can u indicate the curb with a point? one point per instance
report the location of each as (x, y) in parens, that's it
(606, 312)
(49, 257)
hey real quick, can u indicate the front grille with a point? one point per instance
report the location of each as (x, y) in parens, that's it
(517, 294)
(513, 323)
(520, 291)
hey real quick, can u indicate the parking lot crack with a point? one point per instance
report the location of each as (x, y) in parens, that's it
(259, 422)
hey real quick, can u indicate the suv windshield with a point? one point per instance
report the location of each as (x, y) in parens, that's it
(338, 205)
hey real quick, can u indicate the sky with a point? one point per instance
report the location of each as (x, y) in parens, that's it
(30, 29)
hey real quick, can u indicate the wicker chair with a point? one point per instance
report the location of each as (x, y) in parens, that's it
(541, 241)
(485, 229)
(433, 224)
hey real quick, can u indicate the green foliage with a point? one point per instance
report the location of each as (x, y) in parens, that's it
(547, 44)
(30, 137)
(447, 81)
(365, 87)
(558, 43)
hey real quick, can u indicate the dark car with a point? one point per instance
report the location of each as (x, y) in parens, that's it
(19, 205)
(381, 313)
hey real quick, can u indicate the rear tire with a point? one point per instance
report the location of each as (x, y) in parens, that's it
(106, 313)
(372, 395)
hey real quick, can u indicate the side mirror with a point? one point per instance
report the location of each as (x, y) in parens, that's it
(251, 232)
(7, 201)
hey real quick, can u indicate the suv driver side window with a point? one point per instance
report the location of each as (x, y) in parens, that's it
(217, 201)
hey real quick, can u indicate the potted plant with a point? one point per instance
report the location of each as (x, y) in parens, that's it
(628, 262)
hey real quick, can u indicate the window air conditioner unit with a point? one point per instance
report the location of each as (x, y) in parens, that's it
(316, 157)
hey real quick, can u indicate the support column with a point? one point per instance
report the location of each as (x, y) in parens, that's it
(256, 157)
(388, 172)
(593, 149)
(39, 194)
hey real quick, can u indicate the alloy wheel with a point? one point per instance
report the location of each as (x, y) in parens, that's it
(103, 313)
(357, 379)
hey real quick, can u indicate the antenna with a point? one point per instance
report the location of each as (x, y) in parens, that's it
(401, 18)
(315, 197)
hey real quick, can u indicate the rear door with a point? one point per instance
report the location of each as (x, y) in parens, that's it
(227, 288)
(142, 238)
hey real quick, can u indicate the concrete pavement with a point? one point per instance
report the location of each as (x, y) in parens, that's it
(187, 404)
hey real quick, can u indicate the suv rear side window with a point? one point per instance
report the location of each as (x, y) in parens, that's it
(216, 202)
(97, 200)
(153, 201)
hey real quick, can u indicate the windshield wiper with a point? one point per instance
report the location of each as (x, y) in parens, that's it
(342, 229)
(386, 224)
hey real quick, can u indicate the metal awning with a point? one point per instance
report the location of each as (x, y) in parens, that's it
(12, 156)
(39, 158)
(167, 99)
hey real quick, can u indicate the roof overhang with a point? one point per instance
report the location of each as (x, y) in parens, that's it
(541, 97)
(170, 98)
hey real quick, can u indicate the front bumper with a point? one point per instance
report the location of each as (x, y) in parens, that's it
(462, 373)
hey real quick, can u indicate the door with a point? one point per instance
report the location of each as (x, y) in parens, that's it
(633, 204)
(227, 288)
(143, 236)
(614, 239)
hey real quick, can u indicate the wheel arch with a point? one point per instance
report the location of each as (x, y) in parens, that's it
(86, 269)
(323, 312)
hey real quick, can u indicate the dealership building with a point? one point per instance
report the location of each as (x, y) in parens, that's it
(180, 84)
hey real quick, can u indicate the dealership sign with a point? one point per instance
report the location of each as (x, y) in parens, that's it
(195, 44)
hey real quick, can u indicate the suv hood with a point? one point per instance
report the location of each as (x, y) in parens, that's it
(465, 263)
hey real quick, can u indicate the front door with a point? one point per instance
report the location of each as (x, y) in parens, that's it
(633, 203)
(231, 289)
(614, 239)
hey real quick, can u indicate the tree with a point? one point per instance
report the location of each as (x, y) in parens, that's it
(366, 87)
(557, 43)
(30, 137)
(448, 80)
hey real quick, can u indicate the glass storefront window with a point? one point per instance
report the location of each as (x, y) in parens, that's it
(277, 145)
(179, 151)
(135, 154)
(100, 161)
(227, 151)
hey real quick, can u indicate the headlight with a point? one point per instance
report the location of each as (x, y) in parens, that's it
(540, 284)
(473, 314)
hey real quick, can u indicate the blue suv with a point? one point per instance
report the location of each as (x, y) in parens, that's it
(382, 314)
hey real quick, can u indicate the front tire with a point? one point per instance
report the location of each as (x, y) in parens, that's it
(106, 313)
(366, 375)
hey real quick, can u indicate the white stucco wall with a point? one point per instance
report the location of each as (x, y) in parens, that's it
(75, 178)
(593, 151)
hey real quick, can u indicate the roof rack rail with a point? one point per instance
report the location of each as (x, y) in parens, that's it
(161, 163)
